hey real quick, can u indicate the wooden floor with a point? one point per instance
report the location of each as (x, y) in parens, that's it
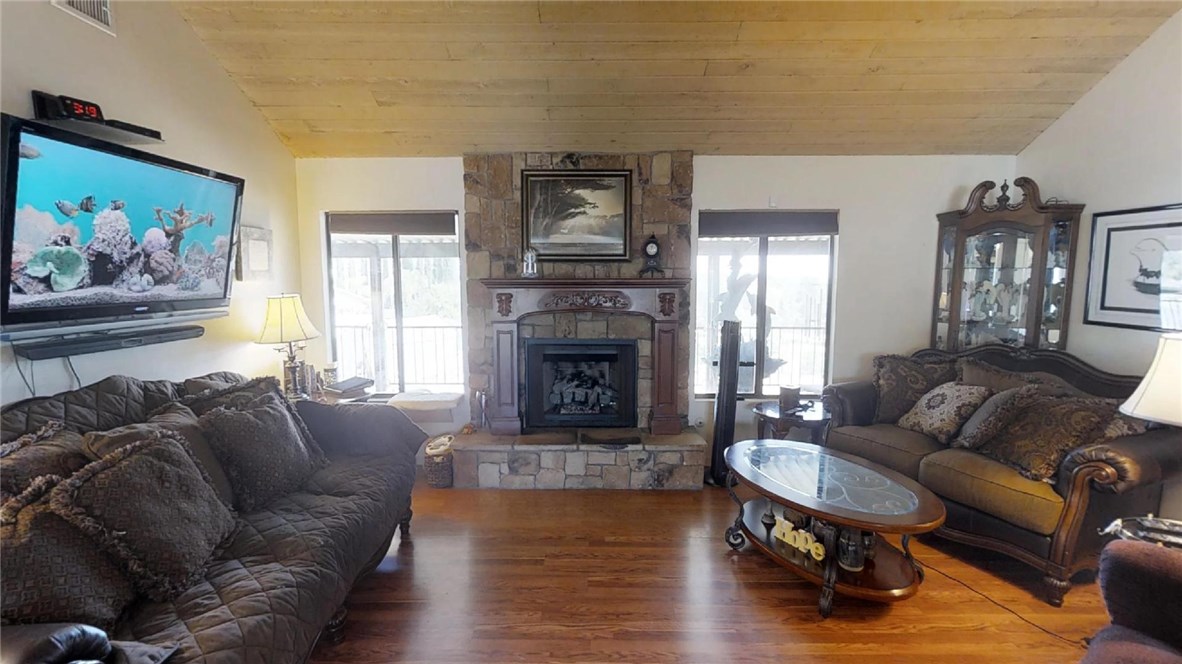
(644, 576)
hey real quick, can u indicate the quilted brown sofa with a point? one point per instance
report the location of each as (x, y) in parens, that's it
(1052, 527)
(280, 583)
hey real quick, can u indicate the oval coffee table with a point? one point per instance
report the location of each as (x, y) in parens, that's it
(811, 495)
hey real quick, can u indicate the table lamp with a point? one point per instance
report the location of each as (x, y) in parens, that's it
(1159, 396)
(288, 323)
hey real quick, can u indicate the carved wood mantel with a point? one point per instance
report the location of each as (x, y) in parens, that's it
(515, 298)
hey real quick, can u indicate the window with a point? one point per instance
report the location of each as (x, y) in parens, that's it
(395, 289)
(772, 272)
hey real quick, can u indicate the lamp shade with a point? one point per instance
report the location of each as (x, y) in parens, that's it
(1159, 396)
(286, 321)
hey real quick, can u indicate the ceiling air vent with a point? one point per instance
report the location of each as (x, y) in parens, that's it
(95, 12)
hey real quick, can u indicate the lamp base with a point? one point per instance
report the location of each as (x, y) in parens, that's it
(293, 374)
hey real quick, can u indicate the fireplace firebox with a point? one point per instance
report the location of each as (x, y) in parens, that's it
(580, 383)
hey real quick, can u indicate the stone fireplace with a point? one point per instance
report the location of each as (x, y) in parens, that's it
(568, 309)
(578, 299)
(579, 383)
(587, 320)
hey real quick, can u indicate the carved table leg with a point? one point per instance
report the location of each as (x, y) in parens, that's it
(334, 631)
(734, 534)
(910, 558)
(829, 539)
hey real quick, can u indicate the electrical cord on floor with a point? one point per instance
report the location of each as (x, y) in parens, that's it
(70, 363)
(1082, 643)
(31, 387)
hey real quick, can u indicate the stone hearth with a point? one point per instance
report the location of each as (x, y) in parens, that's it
(580, 459)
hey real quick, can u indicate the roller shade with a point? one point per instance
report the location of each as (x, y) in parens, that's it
(393, 223)
(753, 223)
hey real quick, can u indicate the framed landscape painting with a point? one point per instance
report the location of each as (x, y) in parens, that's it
(1133, 278)
(577, 215)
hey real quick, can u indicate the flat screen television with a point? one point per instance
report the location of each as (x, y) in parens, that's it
(93, 230)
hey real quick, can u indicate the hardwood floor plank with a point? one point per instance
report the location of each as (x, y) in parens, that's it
(632, 576)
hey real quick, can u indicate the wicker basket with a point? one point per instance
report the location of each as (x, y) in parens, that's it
(437, 462)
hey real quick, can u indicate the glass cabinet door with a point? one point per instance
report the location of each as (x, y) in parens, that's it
(944, 287)
(1053, 315)
(995, 287)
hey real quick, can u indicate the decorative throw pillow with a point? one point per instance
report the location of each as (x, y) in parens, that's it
(993, 416)
(900, 382)
(1045, 430)
(54, 572)
(941, 412)
(263, 450)
(1122, 425)
(195, 386)
(360, 428)
(51, 450)
(231, 396)
(150, 505)
(975, 372)
(170, 417)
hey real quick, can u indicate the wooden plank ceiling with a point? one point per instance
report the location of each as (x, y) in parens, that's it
(362, 79)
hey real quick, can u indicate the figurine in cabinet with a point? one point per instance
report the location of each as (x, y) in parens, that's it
(1004, 269)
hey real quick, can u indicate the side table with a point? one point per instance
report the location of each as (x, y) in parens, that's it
(1155, 530)
(772, 423)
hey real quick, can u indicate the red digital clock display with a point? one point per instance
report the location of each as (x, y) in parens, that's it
(80, 109)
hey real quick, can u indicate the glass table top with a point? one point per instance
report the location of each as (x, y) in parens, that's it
(834, 482)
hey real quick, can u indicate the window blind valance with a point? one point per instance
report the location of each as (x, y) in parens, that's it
(751, 223)
(393, 223)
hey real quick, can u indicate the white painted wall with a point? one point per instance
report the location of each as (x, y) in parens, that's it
(156, 73)
(344, 185)
(1118, 147)
(886, 257)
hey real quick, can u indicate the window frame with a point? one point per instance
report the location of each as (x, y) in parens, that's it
(393, 234)
(761, 320)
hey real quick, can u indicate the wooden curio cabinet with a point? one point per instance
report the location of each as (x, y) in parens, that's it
(1004, 270)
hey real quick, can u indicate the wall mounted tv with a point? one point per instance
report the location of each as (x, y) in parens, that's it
(93, 230)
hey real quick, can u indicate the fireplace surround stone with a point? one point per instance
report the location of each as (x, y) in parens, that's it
(662, 188)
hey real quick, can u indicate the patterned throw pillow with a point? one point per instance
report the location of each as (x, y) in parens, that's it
(1045, 430)
(900, 382)
(51, 450)
(170, 417)
(53, 572)
(1122, 425)
(941, 412)
(151, 506)
(975, 372)
(230, 396)
(263, 450)
(240, 396)
(993, 416)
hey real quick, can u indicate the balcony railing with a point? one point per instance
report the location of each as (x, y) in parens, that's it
(801, 348)
(433, 354)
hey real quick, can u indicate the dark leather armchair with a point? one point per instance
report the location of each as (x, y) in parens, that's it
(1142, 588)
(1095, 484)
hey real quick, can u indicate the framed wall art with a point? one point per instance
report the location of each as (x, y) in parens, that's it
(253, 261)
(576, 215)
(1134, 278)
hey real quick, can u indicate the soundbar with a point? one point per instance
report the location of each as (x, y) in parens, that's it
(98, 342)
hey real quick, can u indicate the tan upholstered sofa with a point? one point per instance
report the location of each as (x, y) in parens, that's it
(1049, 525)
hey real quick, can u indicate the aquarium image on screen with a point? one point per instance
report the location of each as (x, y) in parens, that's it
(93, 228)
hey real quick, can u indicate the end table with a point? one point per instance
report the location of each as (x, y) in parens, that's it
(774, 424)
